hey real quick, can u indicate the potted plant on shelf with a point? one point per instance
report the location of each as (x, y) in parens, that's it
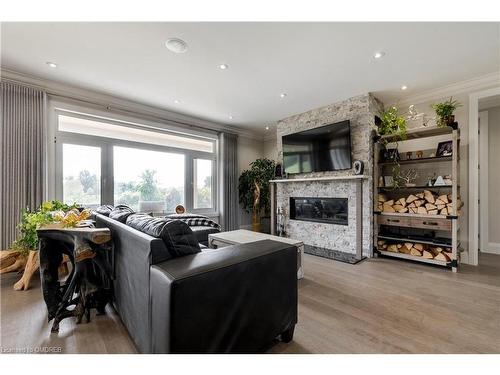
(253, 189)
(444, 112)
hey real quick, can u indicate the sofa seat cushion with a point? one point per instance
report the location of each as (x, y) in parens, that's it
(176, 235)
(201, 233)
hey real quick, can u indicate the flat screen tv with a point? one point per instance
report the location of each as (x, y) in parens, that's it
(326, 148)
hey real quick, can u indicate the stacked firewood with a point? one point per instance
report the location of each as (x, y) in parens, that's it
(416, 249)
(426, 203)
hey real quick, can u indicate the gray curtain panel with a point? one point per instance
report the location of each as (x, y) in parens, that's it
(22, 132)
(228, 181)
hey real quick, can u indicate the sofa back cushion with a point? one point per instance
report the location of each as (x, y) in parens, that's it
(176, 235)
(120, 213)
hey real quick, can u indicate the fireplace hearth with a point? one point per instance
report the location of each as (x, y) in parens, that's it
(321, 210)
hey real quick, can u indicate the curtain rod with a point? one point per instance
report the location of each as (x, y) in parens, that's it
(119, 109)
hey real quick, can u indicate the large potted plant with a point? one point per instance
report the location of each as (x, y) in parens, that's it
(254, 189)
(444, 112)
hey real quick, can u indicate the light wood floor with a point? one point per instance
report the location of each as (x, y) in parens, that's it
(377, 306)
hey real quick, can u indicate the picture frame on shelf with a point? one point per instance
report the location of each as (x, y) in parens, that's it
(444, 149)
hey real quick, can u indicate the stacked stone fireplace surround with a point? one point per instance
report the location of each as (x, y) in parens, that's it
(321, 237)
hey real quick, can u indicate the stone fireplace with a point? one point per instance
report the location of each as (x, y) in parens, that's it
(317, 220)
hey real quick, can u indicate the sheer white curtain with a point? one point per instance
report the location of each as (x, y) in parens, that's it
(22, 155)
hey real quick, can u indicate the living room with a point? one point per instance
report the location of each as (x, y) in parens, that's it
(249, 187)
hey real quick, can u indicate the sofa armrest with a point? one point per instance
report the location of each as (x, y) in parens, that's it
(235, 299)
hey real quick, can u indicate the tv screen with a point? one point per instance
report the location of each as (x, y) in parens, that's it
(327, 148)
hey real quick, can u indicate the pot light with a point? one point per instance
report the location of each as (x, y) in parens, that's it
(283, 95)
(51, 64)
(223, 66)
(379, 55)
(176, 45)
(176, 101)
(230, 117)
(267, 127)
(404, 87)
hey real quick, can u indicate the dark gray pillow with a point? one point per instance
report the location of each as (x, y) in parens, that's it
(120, 213)
(104, 209)
(177, 236)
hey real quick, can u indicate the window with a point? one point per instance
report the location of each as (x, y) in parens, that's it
(148, 181)
(81, 174)
(202, 183)
(151, 169)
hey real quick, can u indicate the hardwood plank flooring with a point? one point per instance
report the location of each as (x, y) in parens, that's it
(377, 306)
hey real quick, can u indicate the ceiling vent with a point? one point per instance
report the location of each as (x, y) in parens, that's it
(176, 45)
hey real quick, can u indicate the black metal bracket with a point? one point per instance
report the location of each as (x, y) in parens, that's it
(452, 217)
(454, 263)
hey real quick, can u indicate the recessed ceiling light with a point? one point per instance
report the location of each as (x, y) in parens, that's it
(283, 95)
(223, 66)
(379, 55)
(51, 64)
(230, 117)
(267, 127)
(176, 45)
(404, 87)
(176, 101)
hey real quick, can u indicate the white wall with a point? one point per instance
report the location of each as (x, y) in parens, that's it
(271, 149)
(248, 150)
(493, 174)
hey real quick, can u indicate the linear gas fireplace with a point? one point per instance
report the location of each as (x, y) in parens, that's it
(321, 210)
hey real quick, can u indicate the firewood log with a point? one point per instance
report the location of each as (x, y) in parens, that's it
(389, 202)
(444, 198)
(401, 202)
(420, 195)
(448, 254)
(406, 248)
(382, 198)
(440, 206)
(384, 246)
(432, 212)
(392, 248)
(388, 208)
(444, 211)
(443, 257)
(435, 250)
(411, 198)
(399, 245)
(421, 210)
(413, 210)
(403, 210)
(412, 204)
(398, 207)
(415, 252)
(381, 242)
(429, 197)
(427, 254)
(450, 196)
(430, 206)
(419, 203)
(418, 246)
(380, 207)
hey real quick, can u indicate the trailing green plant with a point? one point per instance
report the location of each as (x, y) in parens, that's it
(32, 220)
(260, 172)
(444, 111)
(393, 124)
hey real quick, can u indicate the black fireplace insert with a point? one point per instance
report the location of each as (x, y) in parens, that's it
(321, 210)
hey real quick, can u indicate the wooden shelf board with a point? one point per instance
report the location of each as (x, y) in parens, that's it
(414, 258)
(422, 132)
(435, 159)
(425, 187)
(413, 240)
(325, 178)
(413, 215)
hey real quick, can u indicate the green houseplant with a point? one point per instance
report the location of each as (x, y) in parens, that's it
(394, 124)
(253, 189)
(444, 111)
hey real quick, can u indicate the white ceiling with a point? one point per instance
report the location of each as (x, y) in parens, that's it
(314, 63)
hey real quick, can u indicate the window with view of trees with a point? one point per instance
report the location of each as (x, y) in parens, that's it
(115, 165)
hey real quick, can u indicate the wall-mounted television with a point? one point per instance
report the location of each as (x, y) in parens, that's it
(326, 148)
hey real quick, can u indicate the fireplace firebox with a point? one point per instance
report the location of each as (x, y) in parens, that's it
(321, 210)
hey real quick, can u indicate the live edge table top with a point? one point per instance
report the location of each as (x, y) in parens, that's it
(240, 236)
